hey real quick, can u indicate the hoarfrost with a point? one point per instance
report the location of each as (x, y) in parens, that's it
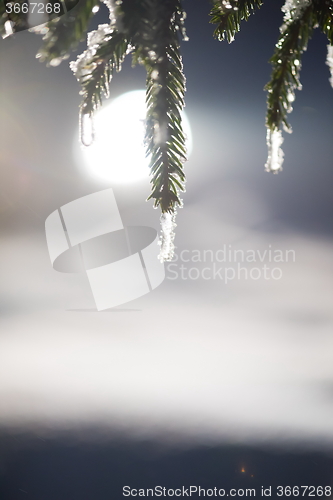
(275, 153)
(167, 236)
(292, 10)
(87, 132)
(96, 37)
(84, 64)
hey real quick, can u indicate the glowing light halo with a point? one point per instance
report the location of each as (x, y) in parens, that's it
(117, 154)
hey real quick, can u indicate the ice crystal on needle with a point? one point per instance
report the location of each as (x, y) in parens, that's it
(329, 61)
(292, 10)
(84, 63)
(275, 153)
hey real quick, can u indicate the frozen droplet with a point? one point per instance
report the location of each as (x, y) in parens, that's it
(290, 98)
(275, 153)
(95, 9)
(167, 236)
(87, 133)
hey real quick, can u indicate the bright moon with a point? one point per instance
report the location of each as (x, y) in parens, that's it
(118, 153)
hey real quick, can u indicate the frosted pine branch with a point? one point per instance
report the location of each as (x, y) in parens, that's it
(298, 23)
(275, 153)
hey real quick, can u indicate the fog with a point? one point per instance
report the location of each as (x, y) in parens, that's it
(197, 359)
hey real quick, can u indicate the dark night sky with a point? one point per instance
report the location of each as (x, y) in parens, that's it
(56, 470)
(226, 103)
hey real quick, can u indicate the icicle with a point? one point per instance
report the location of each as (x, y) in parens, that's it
(290, 99)
(114, 17)
(167, 236)
(329, 61)
(275, 153)
(292, 10)
(87, 133)
(8, 28)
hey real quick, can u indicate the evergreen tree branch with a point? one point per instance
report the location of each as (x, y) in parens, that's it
(164, 136)
(150, 28)
(286, 63)
(108, 58)
(228, 14)
(153, 28)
